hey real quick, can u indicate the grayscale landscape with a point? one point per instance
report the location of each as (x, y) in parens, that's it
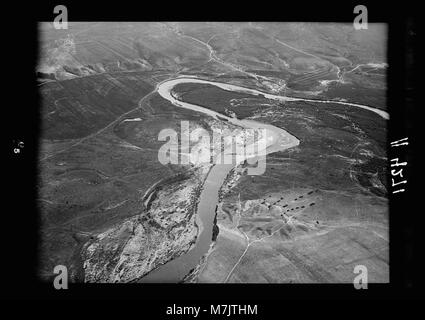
(112, 212)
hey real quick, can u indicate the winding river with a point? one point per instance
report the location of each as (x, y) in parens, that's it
(277, 140)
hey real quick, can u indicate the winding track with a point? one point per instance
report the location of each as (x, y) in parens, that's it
(280, 139)
(176, 269)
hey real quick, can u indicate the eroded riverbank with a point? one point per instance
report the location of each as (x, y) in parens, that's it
(277, 139)
(177, 265)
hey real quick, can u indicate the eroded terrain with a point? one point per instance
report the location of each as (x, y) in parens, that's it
(111, 212)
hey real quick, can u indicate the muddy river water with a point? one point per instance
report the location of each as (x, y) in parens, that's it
(277, 140)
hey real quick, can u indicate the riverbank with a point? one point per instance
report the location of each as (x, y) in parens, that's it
(182, 262)
(277, 139)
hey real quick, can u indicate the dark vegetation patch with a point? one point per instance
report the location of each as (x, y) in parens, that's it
(329, 147)
(214, 98)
